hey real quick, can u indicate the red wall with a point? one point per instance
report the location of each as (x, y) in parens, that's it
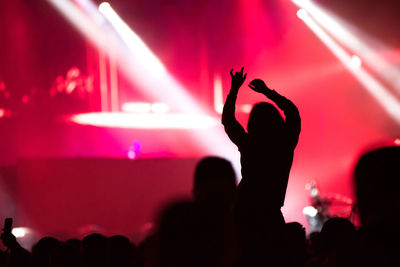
(57, 196)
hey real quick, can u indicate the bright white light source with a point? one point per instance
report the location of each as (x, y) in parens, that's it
(356, 61)
(159, 108)
(136, 107)
(131, 154)
(301, 13)
(145, 120)
(397, 141)
(104, 6)
(19, 232)
(310, 211)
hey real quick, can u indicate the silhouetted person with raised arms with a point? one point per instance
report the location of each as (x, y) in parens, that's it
(266, 151)
(267, 147)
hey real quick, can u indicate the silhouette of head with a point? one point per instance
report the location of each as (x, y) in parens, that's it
(336, 232)
(70, 252)
(296, 232)
(296, 243)
(265, 120)
(94, 250)
(45, 251)
(377, 188)
(188, 236)
(214, 181)
(120, 251)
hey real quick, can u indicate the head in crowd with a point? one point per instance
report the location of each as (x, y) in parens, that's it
(188, 236)
(337, 232)
(377, 188)
(214, 181)
(94, 250)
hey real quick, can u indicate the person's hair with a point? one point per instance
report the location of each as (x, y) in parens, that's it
(188, 236)
(212, 167)
(336, 231)
(265, 119)
(377, 183)
(214, 179)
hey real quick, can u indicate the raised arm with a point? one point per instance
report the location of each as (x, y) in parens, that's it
(232, 127)
(293, 121)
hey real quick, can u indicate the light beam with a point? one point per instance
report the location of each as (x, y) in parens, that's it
(389, 103)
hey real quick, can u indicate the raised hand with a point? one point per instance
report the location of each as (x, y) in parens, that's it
(9, 240)
(237, 78)
(259, 86)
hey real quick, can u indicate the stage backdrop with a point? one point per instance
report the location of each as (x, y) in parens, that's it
(63, 196)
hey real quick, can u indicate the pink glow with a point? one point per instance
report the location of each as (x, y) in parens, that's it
(145, 121)
(25, 99)
(131, 154)
(2, 112)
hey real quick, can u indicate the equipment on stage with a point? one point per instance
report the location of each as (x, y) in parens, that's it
(325, 206)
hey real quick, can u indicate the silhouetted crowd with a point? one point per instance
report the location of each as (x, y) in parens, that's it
(226, 224)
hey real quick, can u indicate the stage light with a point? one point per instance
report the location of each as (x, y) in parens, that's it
(159, 108)
(144, 107)
(104, 6)
(146, 72)
(137, 47)
(82, 22)
(301, 13)
(134, 150)
(368, 48)
(397, 141)
(20, 232)
(310, 211)
(136, 107)
(131, 154)
(2, 112)
(387, 101)
(146, 120)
